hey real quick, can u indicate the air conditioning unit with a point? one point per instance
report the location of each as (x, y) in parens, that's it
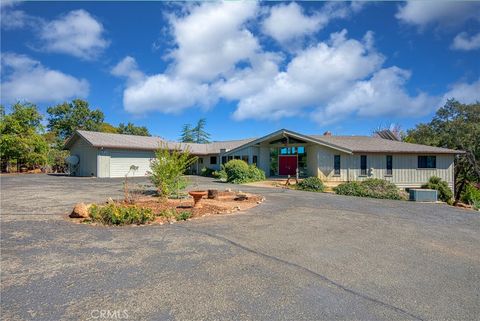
(423, 195)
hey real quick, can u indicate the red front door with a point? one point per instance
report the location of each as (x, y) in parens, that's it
(287, 165)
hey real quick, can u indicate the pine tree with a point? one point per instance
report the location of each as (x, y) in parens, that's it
(200, 135)
(187, 134)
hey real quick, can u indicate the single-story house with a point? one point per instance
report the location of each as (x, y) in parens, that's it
(334, 159)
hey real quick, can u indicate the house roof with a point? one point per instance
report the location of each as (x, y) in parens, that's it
(368, 144)
(120, 141)
(347, 144)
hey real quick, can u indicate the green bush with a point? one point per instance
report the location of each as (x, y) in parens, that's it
(350, 188)
(444, 192)
(372, 187)
(221, 174)
(471, 195)
(114, 214)
(168, 167)
(207, 172)
(239, 172)
(312, 184)
(169, 213)
(183, 216)
(476, 205)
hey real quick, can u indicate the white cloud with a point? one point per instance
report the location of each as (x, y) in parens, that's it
(312, 77)
(77, 33)
(211, 39)
(11, 18)
(28, 79)
(165, 94)
(288, 22)
(383, 94)
(463, 42)
(216, 57)
(466, 93)
(128, 68)
(446, 13)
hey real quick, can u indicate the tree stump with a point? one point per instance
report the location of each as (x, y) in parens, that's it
(213, 193)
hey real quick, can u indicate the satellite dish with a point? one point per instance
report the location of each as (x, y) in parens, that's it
(72, 160)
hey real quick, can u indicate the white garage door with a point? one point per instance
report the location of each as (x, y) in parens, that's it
(120, 162)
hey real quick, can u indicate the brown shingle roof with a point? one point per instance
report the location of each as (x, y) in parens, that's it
(367, 144)
(120, 141)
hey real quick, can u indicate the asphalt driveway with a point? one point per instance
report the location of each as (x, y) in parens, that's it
(297, 256)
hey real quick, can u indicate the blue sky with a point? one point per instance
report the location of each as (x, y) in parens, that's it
(249, 68)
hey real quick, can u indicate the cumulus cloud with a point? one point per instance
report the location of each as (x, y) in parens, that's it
(27, 79)
(383, 94)
(446, 13)
(215, 56)
(466, 93)
(211, 39)
(301, 24)
(128, 68)
(313, 76)
(77, 33)
(463, 41)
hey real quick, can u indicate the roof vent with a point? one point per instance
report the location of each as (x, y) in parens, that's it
(327, 133)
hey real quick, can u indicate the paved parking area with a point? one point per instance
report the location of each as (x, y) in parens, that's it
(298, 256)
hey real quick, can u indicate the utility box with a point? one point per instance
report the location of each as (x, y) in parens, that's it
(423, 195)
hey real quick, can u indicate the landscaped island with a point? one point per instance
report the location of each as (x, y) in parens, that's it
(151, 209)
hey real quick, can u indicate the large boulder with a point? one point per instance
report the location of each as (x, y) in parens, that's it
(80, 211)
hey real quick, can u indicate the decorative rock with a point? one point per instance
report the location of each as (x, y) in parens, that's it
(241, 197)
(80, 211)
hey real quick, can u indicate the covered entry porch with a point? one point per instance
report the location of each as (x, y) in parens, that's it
(279, 154)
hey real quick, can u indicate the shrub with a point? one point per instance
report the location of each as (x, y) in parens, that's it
(221, 174)
(476, 205)
(255, 173)
(168, 169)
(444, 192)
(183, 216)
(114, 214)
(471, 195)
(350, 188)
(372, 187)
(313, 184)
(238, 172)
(207, 172)
(168, 213)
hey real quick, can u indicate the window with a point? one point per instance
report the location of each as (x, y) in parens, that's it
(255, 159)
(389, 165)
(236, 157)
(224, 159)
(230, 158)
(213, 160)
(363, 165)
(336, 164)
(200, 160)
(427, 161)
(245, 158)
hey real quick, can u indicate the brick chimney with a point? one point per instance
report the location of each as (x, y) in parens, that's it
(327, 133)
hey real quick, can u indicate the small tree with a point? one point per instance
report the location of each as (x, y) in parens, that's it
(168, 169)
